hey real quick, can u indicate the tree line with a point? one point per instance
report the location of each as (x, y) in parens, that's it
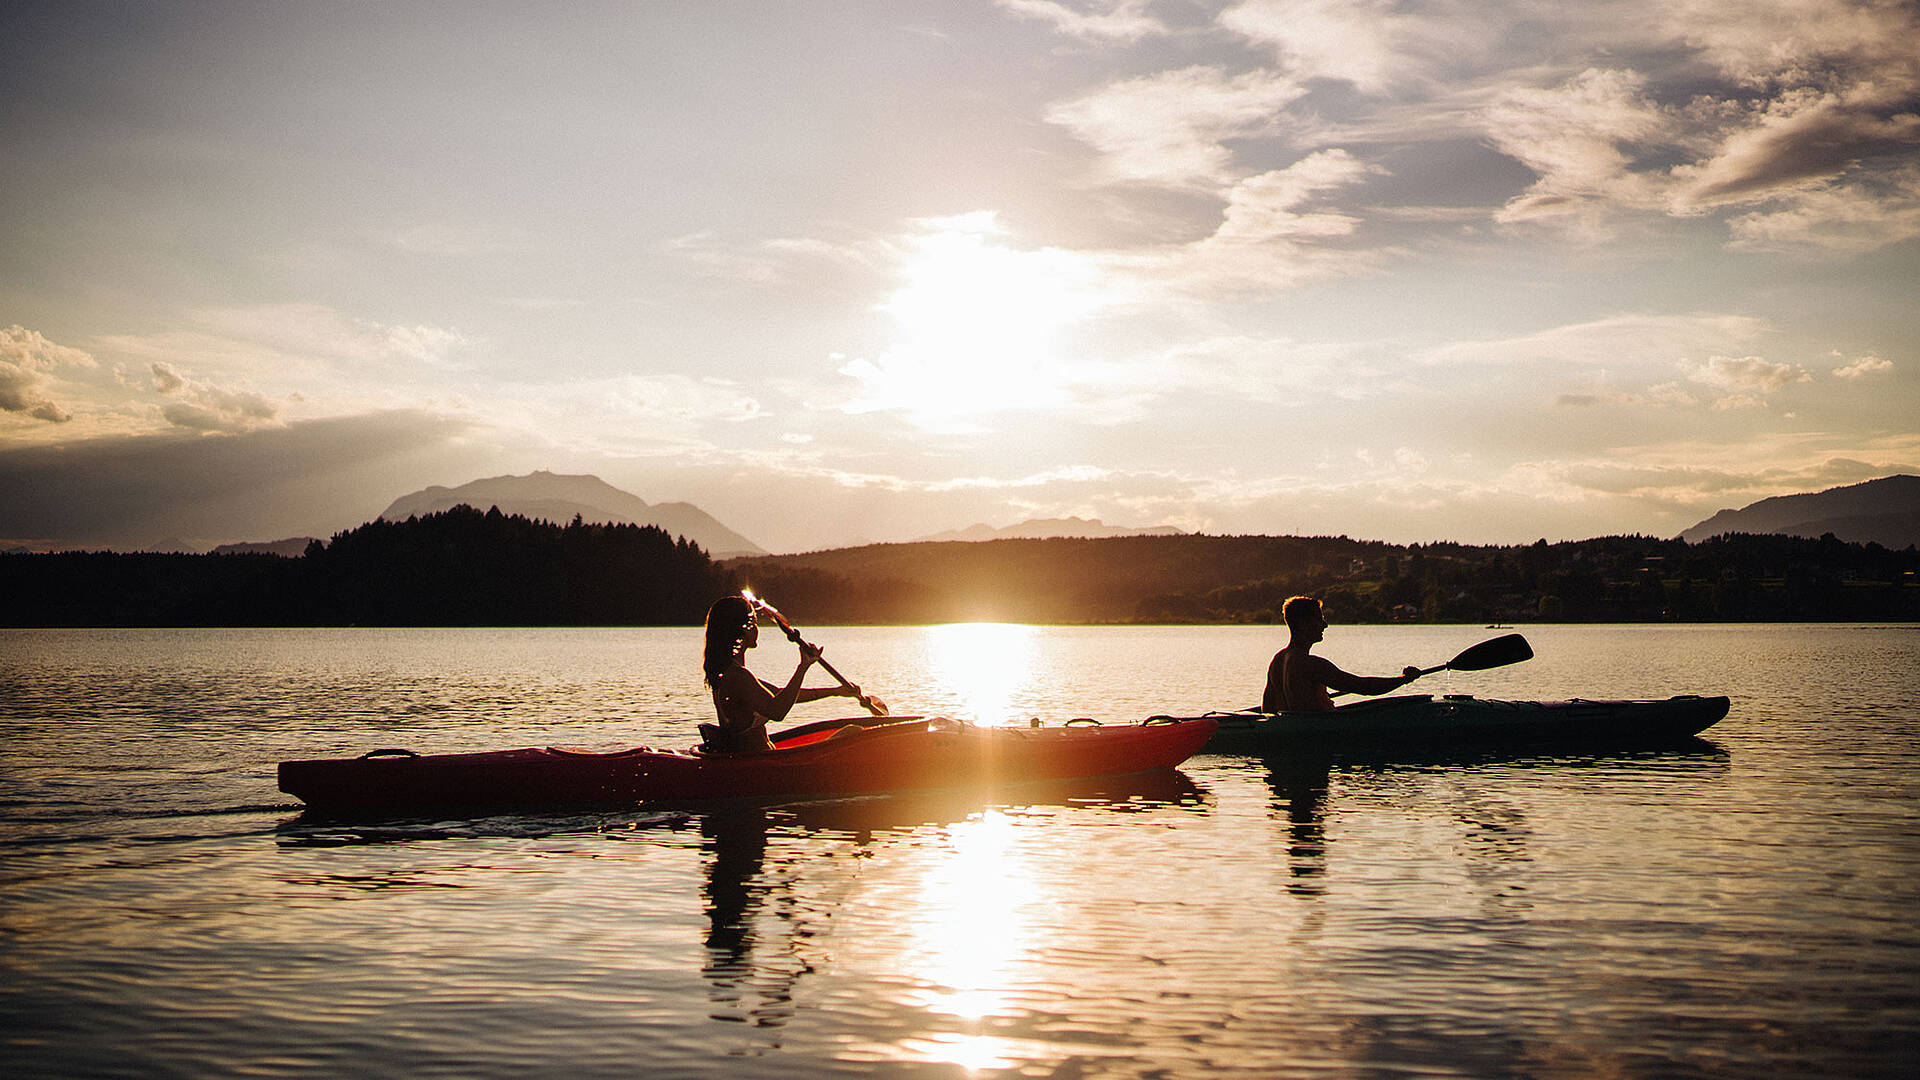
(1242, 579)
(457, 568)
(468, 568)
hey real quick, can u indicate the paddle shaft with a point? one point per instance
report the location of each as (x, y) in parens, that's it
(866, 701)
(1491, 653)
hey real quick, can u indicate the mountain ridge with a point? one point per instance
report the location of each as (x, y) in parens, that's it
(1885, 511)
(1045, 529)
(558, 497)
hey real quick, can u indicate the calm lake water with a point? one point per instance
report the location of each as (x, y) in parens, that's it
(1739, 906)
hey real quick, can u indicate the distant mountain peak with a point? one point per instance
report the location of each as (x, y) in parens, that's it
(1884, 511)
(1047, 528)
(559, 498)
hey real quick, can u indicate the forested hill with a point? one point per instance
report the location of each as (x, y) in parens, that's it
(468, 568)
(458, 568)
(1152, 579)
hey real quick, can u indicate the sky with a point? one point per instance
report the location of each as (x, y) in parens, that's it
(842, 272)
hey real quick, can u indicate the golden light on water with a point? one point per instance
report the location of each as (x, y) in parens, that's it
(982, 666)
(972, 929)
(967, 942)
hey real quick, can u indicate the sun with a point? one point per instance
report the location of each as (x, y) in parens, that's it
(980, 326)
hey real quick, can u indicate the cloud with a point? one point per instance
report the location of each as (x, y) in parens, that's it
(292, 336)
(1691, 493)
(1748, 373)
(1108, 20)
(167, 379)
(1263, 209)
(307, 477)
(1376, 45)
(1866, 213)
(1861, 367)
(1267, 237)
(1580, 137)
(779, 261)
(1171, 128)
(1656, 341)
(26, 360)
(1797, 141)
(205, 407)
(1665, 395)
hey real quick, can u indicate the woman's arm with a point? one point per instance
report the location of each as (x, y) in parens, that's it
(777, 705)
(774, 703)
(818, 693)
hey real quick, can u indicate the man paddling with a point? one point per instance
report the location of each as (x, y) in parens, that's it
(1297, 680)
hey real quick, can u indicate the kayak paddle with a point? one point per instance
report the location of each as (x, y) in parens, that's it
(867, 701)
(1491, 653)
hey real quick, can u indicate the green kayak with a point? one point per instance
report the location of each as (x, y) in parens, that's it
(1461, 720)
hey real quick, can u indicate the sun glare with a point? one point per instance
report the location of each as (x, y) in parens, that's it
(967, 916)
(971, 928)
(982, 666)
(980, 327)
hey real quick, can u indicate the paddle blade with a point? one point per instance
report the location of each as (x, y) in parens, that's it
(1493, 653)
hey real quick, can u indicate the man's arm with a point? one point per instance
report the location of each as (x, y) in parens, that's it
(1347, 683)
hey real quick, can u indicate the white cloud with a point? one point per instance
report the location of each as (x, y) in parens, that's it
(1749, 379)
(27, 358)
(1110, 20)
(1265, 208)
(1171, 128)
(292, 336)
(1867, 213)
(1377, 45)
(1620, 341)
(1862, 366)
(1580, 138)
(1267, 239)
(202, 406)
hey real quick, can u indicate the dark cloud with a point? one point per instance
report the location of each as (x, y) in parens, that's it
(1816, 143)
(311, 477)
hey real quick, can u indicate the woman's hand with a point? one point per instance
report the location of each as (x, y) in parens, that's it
(1410, 673)
(809, 654)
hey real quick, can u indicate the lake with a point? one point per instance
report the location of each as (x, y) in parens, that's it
(1740, 905)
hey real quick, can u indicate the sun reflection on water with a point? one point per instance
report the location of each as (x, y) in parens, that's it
(972, 932)
(972, 928)
(983, 666)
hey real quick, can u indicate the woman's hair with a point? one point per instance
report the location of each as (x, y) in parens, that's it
(727, 622)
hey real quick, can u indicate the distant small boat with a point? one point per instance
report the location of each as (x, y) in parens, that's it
(1460, 720)
(833, 757)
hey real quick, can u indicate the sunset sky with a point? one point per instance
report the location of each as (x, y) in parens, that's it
(845, 271)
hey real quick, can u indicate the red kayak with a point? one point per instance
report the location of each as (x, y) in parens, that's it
(834, 757)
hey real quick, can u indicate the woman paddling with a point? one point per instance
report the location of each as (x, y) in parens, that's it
(746, 704)
(1299, 680)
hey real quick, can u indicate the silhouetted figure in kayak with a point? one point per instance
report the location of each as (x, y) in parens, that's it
(746, 704)
(1297, 680)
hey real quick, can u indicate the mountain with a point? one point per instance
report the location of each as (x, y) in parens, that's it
(292, 547)
(1884, 511)
(556, 498)
(1045, 528)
